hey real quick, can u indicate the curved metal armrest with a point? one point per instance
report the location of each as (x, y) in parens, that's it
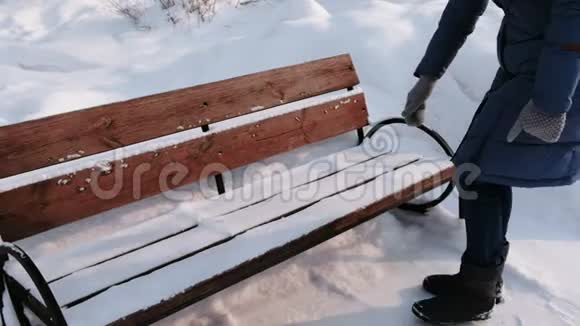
(51, 306)
(423, 207)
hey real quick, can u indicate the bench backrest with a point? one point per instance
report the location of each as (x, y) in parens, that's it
(192, 112)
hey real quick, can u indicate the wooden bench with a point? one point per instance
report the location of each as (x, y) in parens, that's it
(141, 274)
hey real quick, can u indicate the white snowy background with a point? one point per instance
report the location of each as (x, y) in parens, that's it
(63, 55)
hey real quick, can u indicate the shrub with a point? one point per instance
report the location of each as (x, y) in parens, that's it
(175, 10)
(131, 9)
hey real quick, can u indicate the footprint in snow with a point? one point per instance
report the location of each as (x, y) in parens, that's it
(567, 311)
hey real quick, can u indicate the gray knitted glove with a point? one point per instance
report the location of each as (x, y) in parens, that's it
(414, 112)
(533, 121)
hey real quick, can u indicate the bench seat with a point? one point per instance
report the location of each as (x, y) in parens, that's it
(135, 269)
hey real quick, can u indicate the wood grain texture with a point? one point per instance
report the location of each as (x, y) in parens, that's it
(280, 254)
(35, 144)
(44, 205)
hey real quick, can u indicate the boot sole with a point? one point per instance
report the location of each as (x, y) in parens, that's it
(420, 315)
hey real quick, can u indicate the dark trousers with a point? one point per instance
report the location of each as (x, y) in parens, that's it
(486, 209)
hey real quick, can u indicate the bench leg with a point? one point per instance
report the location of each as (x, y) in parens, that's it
(3, 260)
(17, 303)
(18, 306)
(49, 311)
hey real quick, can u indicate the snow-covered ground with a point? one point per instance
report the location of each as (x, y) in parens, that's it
(62, 55)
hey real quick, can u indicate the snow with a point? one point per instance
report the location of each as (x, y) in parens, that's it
(306, 10)
(58, 56)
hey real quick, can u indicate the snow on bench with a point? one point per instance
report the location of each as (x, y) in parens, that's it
(67, 260)
(164, 284)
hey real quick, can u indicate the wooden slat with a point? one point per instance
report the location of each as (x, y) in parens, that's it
(279, 254)
(34, 208)
(35, 144)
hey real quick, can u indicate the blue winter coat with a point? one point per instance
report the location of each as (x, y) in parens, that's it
(539, 54)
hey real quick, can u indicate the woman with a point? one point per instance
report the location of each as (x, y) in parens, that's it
(525, 133)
